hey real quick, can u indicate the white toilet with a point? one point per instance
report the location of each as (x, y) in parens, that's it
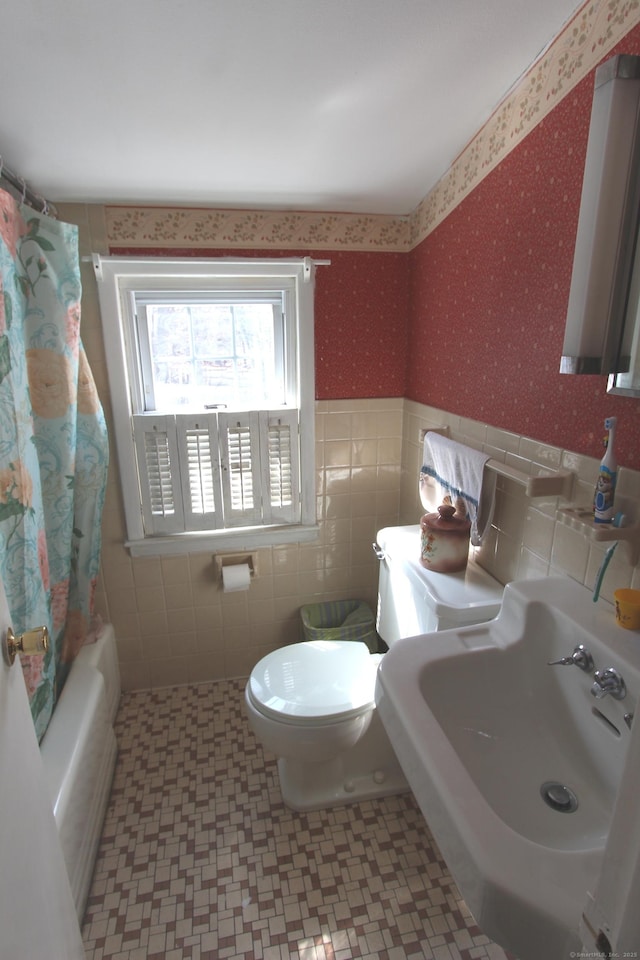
(312, 703)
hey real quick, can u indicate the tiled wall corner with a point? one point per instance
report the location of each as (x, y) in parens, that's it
(527, 539)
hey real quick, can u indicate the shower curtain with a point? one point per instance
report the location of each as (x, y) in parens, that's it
(53, 447)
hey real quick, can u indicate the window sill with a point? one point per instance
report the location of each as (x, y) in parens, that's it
(244, 538)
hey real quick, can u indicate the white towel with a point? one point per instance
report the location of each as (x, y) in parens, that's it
(460, 471)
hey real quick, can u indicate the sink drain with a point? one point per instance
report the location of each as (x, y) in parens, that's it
(558, 796)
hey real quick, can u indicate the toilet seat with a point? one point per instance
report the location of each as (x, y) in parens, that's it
(314, 682)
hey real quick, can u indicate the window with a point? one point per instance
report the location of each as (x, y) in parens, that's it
(211, 373)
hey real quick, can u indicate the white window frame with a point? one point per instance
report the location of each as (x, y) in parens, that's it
(118, 280)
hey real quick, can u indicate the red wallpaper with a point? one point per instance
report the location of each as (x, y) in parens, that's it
(473, 320)
(489, 293)
(362, 325)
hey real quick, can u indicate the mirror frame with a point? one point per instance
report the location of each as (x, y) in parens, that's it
(626, 381)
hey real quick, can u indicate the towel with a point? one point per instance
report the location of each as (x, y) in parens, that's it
(460, 471)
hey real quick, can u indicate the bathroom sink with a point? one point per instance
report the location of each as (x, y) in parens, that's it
(515, 764)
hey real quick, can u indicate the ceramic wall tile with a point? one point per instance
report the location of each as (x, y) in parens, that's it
(527, 538)
(568, 552)
(540, 453)
(378, 486)
(538, 533)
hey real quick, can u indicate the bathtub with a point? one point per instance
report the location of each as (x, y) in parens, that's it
(79, 754)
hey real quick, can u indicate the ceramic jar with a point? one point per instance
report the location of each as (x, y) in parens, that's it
(444, 540)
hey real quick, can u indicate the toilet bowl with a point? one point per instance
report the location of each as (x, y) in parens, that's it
(312, 704)
(310, 701)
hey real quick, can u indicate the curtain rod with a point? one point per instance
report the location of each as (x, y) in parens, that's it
(91, 258)
(25, 194)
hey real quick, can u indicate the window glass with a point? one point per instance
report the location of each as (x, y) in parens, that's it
(211, 353)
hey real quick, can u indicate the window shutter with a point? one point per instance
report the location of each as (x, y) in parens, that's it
(240, 461)
(201, 490)
(158, 464)
(280, 466)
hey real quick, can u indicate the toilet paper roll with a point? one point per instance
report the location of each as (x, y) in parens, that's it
(236, 576)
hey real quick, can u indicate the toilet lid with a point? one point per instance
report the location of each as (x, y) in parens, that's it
(314, 680)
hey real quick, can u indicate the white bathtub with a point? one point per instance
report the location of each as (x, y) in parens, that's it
(79, 755)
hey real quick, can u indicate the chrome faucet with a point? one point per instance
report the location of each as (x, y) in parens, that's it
(580, 658)
(608, 682)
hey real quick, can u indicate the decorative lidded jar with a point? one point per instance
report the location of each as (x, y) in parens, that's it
(444, 540)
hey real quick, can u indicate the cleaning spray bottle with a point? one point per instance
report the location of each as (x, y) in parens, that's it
(606, 484)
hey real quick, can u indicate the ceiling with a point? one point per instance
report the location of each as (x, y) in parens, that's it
(332, 105)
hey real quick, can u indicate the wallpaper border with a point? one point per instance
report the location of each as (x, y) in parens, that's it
(263, 229)
(586, 38)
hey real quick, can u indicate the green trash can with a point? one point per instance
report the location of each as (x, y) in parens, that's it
(341, 620)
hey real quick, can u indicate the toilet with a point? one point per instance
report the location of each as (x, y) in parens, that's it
(312, 704)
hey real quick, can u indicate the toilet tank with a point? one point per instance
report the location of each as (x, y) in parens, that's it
(413, 600)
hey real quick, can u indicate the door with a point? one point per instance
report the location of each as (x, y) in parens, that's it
(37, 914)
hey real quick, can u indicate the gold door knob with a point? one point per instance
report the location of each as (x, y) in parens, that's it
(32, 643)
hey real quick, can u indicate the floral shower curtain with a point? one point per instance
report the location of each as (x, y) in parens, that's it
(53, 447)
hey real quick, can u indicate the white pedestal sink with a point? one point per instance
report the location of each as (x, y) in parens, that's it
(515, 764)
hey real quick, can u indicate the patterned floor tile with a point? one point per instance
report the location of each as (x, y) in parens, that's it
(201, 860)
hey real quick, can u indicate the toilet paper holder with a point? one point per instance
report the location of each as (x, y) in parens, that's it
(233, 559)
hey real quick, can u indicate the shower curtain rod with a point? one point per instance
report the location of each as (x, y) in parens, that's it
(24, 193)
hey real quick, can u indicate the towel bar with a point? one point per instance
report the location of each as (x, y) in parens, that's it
(557, 483)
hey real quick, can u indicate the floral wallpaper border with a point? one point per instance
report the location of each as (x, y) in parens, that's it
(200, 227)
(590, 34)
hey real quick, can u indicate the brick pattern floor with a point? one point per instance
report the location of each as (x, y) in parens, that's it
(201, 860)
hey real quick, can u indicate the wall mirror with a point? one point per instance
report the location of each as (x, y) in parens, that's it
(627, 381)
(602, 333)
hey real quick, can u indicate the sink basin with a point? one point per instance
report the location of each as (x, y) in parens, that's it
(515, 764)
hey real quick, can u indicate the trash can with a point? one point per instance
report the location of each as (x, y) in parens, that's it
(341, 620)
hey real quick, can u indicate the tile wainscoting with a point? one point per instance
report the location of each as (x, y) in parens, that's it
(175, 625)
(173, 622)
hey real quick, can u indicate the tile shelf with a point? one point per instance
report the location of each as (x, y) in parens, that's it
(581, 519)
(557, 484)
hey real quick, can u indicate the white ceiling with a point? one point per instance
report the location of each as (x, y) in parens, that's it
(341, 105)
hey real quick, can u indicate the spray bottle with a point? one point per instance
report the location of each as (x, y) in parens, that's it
(606, 484)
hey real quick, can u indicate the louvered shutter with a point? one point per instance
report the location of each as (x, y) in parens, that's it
(200, 472)
(214, 470)
(280, 466)
(158, 465)
(239, 435)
